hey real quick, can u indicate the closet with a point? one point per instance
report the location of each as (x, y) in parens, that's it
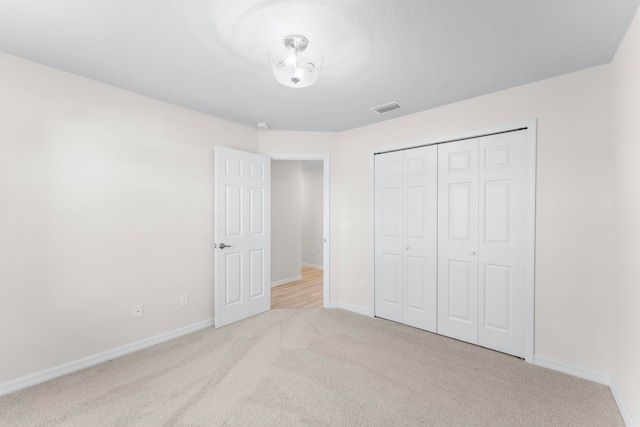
(450, 239)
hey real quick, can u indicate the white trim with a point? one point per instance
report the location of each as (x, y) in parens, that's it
(285, 281)
(317, 267)
(576, 371)
(326, 212)
(372, 228)
(326, 230)
(530, 244)
(591, 375)
(622, 405)
(85, 362)
(344, 306)
(530, 125)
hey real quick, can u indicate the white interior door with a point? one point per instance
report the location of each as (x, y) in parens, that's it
(502, 210)
(406, 236)
(458, 240)
(420, 256)
(242, 254)
(388, 235)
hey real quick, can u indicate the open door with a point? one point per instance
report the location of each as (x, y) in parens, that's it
(242, 230)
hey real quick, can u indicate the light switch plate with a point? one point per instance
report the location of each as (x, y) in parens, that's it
(184, 300)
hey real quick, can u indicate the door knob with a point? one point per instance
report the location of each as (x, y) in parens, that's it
(407, 246)
(473, 252)
(222, 246)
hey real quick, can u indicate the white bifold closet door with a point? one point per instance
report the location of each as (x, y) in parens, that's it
(406, 236)
(481, 240)
(458, 240)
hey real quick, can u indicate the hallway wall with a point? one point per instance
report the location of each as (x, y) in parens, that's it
(312, 217)
(286, 223)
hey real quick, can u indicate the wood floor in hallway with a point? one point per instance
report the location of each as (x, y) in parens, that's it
(305, 293)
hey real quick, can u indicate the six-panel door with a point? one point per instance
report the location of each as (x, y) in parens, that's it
(242, 255)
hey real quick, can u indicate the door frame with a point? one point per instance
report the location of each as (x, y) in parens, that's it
(530, 239)
(326, 210)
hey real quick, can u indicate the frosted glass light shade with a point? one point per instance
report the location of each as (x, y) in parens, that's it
(295, 61)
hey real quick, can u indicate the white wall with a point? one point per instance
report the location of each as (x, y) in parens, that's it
(286, 224)
(106, 200)
(626, 316)
(312, 194)
(574, 201)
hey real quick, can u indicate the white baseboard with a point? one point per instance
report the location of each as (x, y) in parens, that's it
(591, 375)
(85, 362)
(318, 267)
(349, 307)
(285, 281)
(576, 371)
(622, 405)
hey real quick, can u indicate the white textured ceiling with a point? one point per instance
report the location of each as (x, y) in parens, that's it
(211, 56)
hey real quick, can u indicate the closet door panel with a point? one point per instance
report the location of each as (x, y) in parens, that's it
(389, 194)
(417, 272)
(458, 240)
(459, 290)
(502, 213)
(420, 237)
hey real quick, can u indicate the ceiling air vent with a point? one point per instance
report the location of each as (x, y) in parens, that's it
(381, 109)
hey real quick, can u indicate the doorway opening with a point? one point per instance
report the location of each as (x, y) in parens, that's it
(303, 293)
(300, 267)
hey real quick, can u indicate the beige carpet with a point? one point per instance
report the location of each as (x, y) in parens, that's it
(313, 367)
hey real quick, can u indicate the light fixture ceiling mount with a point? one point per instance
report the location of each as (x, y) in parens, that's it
(295, 61)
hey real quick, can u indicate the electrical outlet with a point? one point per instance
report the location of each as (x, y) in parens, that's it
(138, 311)
(363, 285)
(184, 300)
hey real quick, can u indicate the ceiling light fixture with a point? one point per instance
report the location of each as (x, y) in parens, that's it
(295, 61)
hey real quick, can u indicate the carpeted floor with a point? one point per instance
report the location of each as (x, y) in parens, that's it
(313, 367)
